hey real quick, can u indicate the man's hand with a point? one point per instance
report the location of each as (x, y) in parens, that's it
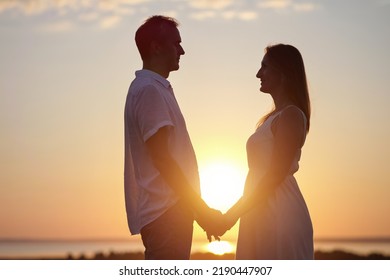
(208, 220)
(221, 226)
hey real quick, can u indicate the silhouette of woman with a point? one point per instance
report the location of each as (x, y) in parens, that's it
(275, 222)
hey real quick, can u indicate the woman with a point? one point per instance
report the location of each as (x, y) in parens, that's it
(275, 222)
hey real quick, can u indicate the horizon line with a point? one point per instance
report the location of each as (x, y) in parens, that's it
(378, 239)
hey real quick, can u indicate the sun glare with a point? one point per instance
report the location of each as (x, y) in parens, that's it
(220, 247)
(222, 184)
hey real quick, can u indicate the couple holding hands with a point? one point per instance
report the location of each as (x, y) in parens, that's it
(162, 189)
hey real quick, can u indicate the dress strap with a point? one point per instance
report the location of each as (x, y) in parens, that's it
(304, 119)
(288, 106)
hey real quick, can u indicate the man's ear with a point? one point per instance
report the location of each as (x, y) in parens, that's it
(155, 47)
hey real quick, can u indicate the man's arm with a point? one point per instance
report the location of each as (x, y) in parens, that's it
(173, 175)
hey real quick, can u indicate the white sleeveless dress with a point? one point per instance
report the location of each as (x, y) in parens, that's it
(280, 229)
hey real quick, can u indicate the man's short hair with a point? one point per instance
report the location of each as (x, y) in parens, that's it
(153, 29)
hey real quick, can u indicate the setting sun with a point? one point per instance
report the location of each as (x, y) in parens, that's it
(222, 183)
(220, 247)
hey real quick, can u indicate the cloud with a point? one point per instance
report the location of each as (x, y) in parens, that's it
(241, 15)
(57, 27)
(27, 7)
(247, 15)
(110, 21)
(226, 15)
(203, 15)
(104, 13)
(107, 14)
(275, 4)
(210, 4)
(89, 16)
(172, 13)
(305, 7)
(288, 5)
(31, 7)
(222, 9)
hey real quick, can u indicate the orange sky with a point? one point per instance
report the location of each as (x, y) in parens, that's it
(63, 81)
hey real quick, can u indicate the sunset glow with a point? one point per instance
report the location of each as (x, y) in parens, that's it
(222, 184)
(64, 74)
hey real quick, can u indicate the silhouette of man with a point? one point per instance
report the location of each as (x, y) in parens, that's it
(162, 189)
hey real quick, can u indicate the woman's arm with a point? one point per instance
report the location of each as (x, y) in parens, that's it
(289, 131)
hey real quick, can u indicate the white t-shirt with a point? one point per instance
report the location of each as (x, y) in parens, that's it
(151, 105)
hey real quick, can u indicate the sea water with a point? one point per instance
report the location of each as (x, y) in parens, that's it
(14, 249)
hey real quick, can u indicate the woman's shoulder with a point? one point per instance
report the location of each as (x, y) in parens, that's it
(293, 112)
(290, 116)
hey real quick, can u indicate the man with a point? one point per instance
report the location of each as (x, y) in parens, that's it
(161, 174)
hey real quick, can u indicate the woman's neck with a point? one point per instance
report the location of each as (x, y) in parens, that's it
(281, 101)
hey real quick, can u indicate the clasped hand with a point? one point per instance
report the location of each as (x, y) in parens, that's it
(216, 224)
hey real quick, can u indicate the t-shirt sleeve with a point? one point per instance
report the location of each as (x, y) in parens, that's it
(152, 111)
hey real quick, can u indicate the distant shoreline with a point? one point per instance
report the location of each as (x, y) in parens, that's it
(364, 239)
(319, 255)
(354, 239)
(339, 248)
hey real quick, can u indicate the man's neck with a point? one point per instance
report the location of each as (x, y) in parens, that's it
(156, 68)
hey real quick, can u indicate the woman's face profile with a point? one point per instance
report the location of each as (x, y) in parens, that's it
(270, 76)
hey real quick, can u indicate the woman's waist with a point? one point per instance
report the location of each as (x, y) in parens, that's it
(254, 179)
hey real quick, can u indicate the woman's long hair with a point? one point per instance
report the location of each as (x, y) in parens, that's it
(288, 60)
